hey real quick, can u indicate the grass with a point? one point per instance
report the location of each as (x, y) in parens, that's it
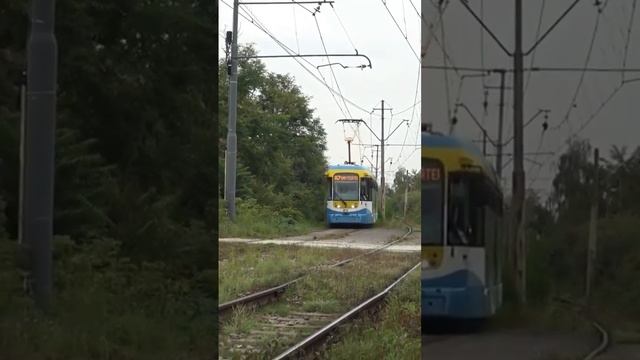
(245, 268)
(257, 221)
(118, 311)
(393, 333)
(331, 291)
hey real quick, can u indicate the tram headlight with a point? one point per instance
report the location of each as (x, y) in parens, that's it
(353, 206)
(338, 206)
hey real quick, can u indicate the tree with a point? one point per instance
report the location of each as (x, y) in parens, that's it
(281, 143)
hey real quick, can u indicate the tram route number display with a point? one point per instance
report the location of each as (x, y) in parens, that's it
(345, 178)
(431, 174)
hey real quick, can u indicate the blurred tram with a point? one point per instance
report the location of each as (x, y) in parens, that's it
(351, 195)
(461, 238)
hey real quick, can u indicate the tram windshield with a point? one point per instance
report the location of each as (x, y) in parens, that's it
(345, 187)
(432, 202)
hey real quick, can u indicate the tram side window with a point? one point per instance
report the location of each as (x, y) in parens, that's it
(488, 203)
(365, 189)
(460, 226)
(432, 202)
(329, 188)
(471, 218)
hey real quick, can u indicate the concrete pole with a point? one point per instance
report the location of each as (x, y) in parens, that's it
(382, 188)
(42, 66)
(231, 153)
(518, 160)
(593, 224)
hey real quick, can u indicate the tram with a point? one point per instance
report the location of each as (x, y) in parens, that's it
(351, 195)
(462, 209)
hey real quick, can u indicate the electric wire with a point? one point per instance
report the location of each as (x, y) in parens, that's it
(253, 20)
(399, 29)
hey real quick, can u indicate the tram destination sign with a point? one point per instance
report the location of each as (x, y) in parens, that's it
(431, 171)
(345, 177)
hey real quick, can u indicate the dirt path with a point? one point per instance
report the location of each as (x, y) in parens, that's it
(345, 238)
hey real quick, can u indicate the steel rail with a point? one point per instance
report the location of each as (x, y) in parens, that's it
(604, 334)
(277, 290)
(319, 335)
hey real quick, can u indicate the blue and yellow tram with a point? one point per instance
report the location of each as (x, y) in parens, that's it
(461, 237)
(351, 196)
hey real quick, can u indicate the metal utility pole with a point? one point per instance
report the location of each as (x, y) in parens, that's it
(230, 156)
(23, 114)
(518, 159)
(42, 67)
(382, 202)
(406, 198)
(382, 185)
(377, 150)
(593, 224)
(517, 201)
(500, 123)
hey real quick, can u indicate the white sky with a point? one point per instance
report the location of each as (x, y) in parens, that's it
(393, 77)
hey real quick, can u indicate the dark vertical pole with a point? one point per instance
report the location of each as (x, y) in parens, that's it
(377, 162)
(500, 123)
(593, 224)
(382, 162)
(42, 55)
(484, 142)
(23, 115)
(230, 157)
(349, 149)
(518, 166)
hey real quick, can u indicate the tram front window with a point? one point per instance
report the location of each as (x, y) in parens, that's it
(432, 202)
(345, 187)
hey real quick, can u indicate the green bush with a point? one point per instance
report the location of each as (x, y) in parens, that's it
(256, 220)
(107, 307)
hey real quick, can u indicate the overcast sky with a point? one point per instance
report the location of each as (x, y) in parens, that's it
(566, 46)
(393, 77)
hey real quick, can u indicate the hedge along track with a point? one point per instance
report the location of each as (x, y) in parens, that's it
(305, 346)
(584, 312)
(271, 293)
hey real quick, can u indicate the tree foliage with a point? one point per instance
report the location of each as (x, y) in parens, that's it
(135, 147)
(558, 231)
(409, 182)
(280, 142)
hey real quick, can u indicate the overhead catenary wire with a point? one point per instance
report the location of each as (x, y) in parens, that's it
(432, 37)
(627, 41)
(399, 29)
(343, 28)
(533, 55)
(413, 108)
(324, 47)
(572, 103)
(295, 27)
(253, 20)
(444, 52)
(481, 42)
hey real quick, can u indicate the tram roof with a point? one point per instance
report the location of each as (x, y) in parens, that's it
(441, 141)
(347, 167)
(358, 169)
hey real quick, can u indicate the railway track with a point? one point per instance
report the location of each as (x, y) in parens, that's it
(266, 295)
(583, 311)
(306, 345)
